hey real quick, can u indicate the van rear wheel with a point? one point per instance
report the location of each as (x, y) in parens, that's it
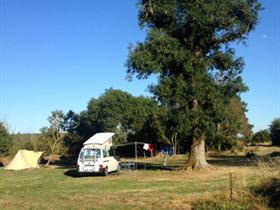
(105, 173)
(119, 168)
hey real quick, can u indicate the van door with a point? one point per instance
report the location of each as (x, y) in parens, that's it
(106, 160)
(89, 158)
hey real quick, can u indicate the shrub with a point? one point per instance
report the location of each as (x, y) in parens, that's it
(5, 140)
(261, 136)
(271, 190)
(28, 145)
(275, 132)
(250, 154)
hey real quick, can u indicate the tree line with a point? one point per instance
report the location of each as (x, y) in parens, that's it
(141, 119)
(132, 119)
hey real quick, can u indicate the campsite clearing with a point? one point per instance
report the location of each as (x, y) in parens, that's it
(58, 188)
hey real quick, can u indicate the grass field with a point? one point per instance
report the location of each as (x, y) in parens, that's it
(155, 188)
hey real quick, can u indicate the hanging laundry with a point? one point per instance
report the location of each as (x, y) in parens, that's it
(148, 147)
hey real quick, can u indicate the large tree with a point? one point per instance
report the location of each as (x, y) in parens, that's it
(116, 111)
(188, 48)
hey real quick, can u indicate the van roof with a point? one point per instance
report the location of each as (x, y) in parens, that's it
(99, 138)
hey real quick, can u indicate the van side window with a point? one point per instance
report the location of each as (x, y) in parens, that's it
(105, 153)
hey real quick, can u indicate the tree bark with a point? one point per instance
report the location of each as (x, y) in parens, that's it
(174, 143)
(50, 159)
(197, 156)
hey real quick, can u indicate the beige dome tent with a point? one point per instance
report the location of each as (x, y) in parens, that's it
(24, 159)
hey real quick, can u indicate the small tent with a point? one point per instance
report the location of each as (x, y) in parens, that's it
(24, 159)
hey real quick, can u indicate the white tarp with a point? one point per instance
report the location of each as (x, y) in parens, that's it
(24, 159)
(100, 138)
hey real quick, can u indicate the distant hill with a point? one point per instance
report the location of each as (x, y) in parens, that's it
(25, 137)
(28, 141)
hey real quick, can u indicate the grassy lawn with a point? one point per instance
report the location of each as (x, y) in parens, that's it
(53, 189)
(50, 188)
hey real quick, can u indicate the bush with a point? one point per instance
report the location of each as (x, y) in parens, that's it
(271, 190)
(5, 140)
(275, 132)
(261, 136)
(250, 154)
(28, 145)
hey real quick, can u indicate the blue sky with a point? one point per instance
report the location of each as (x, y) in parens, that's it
(59, 54)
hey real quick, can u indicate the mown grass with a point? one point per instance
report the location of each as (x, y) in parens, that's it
(168, 188)
(53, 189)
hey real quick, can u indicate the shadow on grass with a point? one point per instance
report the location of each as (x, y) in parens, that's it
(139, 166)
(64, 162)
(153, 166)
(239, 160)
(74, 174)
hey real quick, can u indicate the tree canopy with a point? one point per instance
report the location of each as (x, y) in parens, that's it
(114, 111)
(188, 48)
(261, 136)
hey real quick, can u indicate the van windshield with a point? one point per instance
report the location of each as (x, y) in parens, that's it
(90, 153)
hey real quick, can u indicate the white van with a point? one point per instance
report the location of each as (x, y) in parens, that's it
(94, 156)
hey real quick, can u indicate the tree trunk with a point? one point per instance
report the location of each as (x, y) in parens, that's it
(50, 159)
(174, 143)
(197, 157)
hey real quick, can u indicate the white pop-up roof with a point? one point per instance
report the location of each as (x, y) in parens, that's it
(100, 138)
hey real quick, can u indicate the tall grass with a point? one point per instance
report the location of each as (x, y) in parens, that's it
(259, 190)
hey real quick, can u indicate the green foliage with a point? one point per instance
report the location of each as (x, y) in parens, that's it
(28, 145)
(234, 126)
(116, 111)
(261, 136)
(29, 141)
(274, 129)
(5, 140)
(52, 137)
(72, 140)
(238, 121)
(187, 47)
